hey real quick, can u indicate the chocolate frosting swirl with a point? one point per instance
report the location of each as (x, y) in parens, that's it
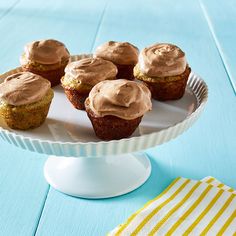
(122, 53)
(45, 52)
(89, 71)
(122, 98)
(23, 88)
(161, 60)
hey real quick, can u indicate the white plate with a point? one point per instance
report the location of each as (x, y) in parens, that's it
(68, 132)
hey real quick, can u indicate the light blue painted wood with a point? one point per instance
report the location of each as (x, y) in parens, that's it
(22, 190)
(74, 23)
(7, 6)
(221, 17)
(208, 148)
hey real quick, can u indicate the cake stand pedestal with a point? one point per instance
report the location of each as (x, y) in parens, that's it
(100, 177)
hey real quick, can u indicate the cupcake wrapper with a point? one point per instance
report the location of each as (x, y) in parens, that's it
(125, 72)
(54, 76)
(112, 127)
(76, 98)
(169, 90)
(28, 119)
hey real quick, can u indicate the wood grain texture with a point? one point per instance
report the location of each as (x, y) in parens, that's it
(221, 18)
(206, 149)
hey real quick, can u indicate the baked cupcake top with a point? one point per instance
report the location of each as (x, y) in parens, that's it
(45, 52)
(122, 53)
(23, 88)
(88, 71)
(162, 60)
(122, 98)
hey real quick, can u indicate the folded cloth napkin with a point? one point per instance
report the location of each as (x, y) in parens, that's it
(186, 207)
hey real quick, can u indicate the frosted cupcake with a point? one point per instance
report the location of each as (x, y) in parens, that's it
(47, 58)
(123, 54)
(25, 99)
(164, 69)
(82, 75)
(116, 108)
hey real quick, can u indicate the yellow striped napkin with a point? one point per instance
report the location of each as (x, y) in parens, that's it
(186, 207)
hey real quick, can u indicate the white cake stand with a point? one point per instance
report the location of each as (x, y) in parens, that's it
(81, 165)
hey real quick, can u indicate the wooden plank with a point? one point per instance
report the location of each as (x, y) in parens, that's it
(206, 149)
(23, 190)
(7, 6)
(221, 18)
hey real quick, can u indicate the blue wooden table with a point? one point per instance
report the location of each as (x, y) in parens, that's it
(204, 29)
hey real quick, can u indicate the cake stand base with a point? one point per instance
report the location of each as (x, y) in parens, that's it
(101, 177)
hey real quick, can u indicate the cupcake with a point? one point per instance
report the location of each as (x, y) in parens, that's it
(81, 76)
(164, 69)
(25, 99)
(123, 54)
(116, 107)
(47, 58)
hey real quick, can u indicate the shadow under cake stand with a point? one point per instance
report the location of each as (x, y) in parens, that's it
(81, 165)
